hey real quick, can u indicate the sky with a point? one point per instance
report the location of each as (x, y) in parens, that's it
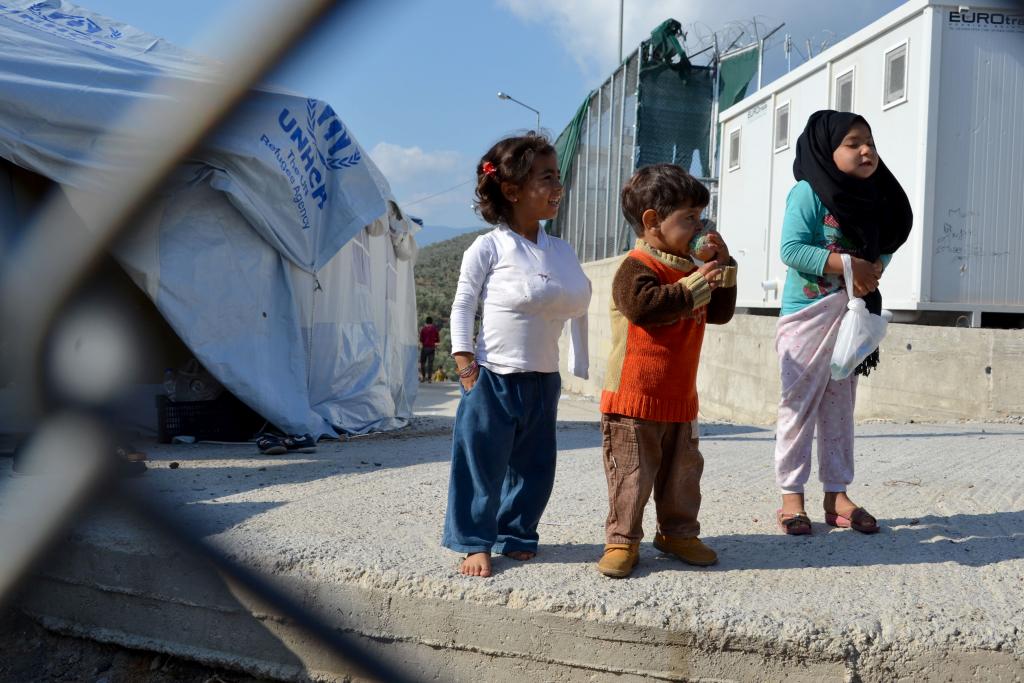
(416, 81)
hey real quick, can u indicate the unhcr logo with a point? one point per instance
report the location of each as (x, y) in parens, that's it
(319, 130)
(74, 22)
(79, 28)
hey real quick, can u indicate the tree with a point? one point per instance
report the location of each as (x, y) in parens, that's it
(437, 276)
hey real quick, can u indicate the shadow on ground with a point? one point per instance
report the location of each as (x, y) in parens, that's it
(968, 540)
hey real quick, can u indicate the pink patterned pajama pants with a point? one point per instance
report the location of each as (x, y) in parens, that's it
(812, 400)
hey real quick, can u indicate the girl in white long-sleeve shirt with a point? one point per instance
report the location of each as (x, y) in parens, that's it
(529, 284)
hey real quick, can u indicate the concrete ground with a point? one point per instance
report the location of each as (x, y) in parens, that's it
(353, 531)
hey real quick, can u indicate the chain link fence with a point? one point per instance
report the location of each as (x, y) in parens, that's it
(648, 111)
(69, 443)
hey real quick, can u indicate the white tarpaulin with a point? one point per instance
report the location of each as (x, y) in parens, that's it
(275, 252)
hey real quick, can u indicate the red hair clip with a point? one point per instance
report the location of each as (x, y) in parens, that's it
(488, 168)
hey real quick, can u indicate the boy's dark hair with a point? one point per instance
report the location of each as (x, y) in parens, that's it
(429, 320)
(511, 159)
(664, 188)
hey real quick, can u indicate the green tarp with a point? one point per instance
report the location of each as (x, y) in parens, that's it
(565, 147)
(735, 74)
(569, 140)
(665, 45)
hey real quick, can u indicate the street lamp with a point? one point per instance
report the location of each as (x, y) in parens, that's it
(506, 96)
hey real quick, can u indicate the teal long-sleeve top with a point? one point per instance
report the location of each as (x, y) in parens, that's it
(809, 234)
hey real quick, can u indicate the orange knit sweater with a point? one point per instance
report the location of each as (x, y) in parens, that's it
(660, 304)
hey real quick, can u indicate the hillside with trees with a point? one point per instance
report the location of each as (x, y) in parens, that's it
(437, 275)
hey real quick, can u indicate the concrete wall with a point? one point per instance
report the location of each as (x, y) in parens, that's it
(927, 373)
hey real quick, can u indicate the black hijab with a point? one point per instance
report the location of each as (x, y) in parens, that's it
(873, 213)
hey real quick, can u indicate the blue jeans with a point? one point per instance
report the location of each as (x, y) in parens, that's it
(503, 462)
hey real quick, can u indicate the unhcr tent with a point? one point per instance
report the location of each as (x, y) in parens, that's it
(276, 253)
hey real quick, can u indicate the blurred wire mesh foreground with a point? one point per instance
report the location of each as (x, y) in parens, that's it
(62, 405)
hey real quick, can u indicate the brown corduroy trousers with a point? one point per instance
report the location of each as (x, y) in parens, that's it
(641, 456)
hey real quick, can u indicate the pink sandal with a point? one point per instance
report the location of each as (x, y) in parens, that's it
(859, 520)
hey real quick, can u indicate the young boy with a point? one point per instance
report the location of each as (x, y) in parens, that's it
(661, 301)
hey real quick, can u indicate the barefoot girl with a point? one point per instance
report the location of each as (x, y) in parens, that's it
(846, 201)
(529, 284)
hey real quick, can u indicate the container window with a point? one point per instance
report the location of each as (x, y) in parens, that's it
(896, 75)
(844, 92)
(782, 127)
(734, 150)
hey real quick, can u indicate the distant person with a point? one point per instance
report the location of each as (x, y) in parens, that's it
(529, 284)
(845, 201)
(661, 302)
(429, 338)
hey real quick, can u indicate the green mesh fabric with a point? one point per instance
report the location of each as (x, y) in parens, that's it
(674, 118)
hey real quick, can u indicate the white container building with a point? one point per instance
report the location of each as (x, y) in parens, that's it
(943, 89)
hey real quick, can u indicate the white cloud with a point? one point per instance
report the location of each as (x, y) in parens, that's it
(589, 29)
(431, 183)
(404, 164)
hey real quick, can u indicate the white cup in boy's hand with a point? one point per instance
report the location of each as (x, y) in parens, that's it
(721, 251)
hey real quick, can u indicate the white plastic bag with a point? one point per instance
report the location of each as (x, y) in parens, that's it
(860, 332)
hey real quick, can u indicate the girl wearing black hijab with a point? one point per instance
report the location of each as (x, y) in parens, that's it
(846, 201)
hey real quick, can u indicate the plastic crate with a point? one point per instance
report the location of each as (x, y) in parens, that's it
(222, 419)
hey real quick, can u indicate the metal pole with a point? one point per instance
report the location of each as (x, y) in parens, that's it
(713, 142)
(593, 226)
(761, 54)
(506, 96)
(760, 61)
(760, 48)
(621, 11)
(611, 188)
(636, 133)
(581, 236)
(618, 157)
(577, 189)
(636, 109)
(732, 44)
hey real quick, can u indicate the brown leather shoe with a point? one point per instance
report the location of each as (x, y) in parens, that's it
(619, 559)
(689, 550)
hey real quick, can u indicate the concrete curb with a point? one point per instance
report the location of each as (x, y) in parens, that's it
(352, 531)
